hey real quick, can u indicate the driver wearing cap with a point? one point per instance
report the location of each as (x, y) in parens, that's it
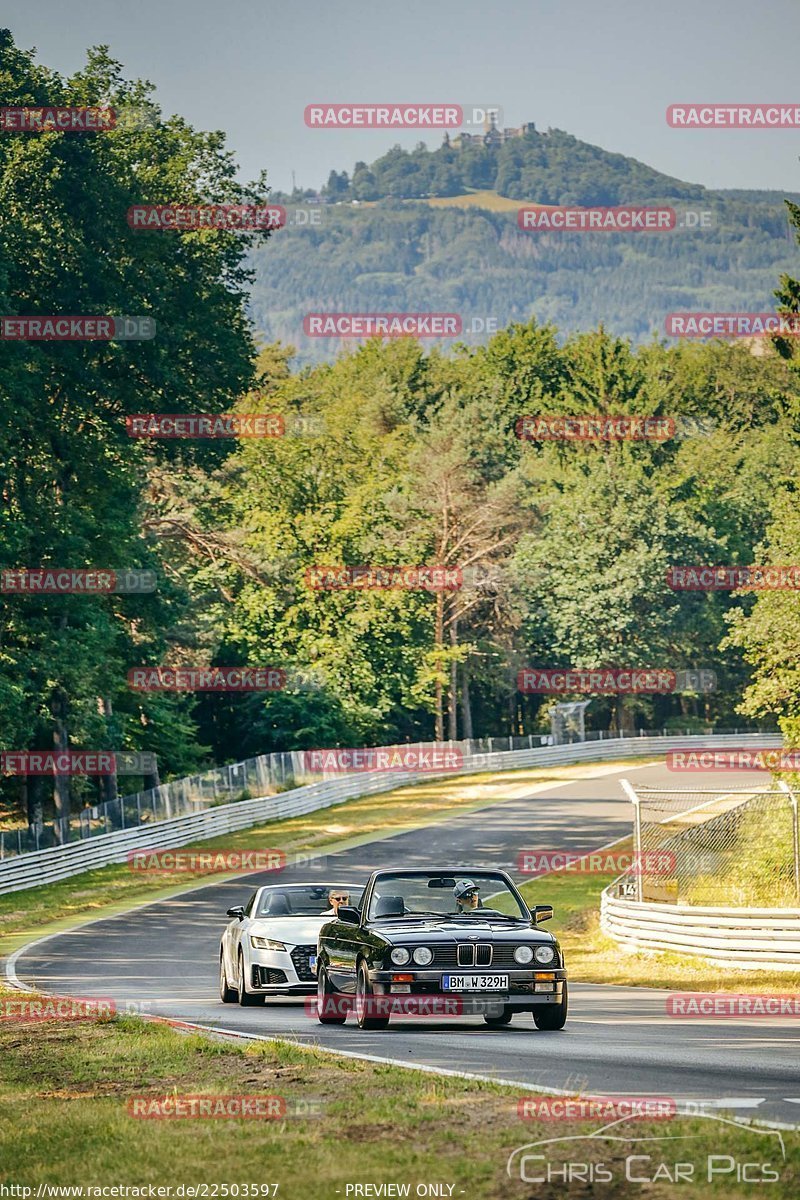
(466, 896)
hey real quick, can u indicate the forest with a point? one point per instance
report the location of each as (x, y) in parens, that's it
(392, 454)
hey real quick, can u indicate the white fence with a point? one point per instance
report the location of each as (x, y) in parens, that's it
(747, 938)
(46, 866)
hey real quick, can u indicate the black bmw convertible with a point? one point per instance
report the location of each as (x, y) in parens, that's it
(440, 943)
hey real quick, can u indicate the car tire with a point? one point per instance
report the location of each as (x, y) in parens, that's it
(226, 994)
(552, 1016)
(246, 999)
(503, 1019)
(328, 998)
(364, 994)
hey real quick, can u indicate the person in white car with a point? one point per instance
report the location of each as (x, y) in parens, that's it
(336, 897)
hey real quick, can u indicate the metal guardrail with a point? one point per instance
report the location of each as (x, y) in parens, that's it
(59, 862)
(750, 939)
(265, 775)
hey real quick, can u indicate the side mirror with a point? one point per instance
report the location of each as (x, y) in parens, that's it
(237, 912)
(348, 914)
(541, 912)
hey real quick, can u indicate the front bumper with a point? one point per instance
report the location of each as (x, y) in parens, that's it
(526, 989)
(278, 972)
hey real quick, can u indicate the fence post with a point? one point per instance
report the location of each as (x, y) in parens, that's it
(627, 787)
(262, 775)
(795, 836)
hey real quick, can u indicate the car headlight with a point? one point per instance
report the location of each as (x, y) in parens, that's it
(545, 954)
(523, 954)
(423, 956)
(400, 956)
(262, 943)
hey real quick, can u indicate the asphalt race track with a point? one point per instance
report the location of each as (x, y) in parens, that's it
(617, 1040)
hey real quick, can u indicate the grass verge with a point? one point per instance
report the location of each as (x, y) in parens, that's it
(64, 1120)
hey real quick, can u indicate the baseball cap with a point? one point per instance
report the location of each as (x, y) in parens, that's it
(463, 887)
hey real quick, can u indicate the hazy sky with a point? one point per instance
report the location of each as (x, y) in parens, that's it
(604, 70)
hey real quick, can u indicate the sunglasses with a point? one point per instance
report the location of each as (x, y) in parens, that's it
(339, 897)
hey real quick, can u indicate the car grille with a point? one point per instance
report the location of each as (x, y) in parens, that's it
(500, 954)
(472, 954)
(300, 956)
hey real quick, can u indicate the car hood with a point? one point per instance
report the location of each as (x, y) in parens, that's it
(440, 929)
(295, 931)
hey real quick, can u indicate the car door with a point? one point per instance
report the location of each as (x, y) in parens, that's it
(340, 946)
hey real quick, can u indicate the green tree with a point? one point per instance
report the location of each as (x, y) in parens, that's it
(72, 480)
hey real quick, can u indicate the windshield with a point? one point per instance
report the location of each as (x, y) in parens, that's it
(312, 901)
(472, 896)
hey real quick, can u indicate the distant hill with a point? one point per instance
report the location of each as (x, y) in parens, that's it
(436, 230)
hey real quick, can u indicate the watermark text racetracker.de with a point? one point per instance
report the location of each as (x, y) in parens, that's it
(221, 679)
(77, 762)
(734, 759)
(255, 1106)
(614, 680)
(390, 577)
(231, 218)
(57, 327)
(433, 757)
(596, 862)
(57, 581)
(746, 115)
(393, 115)
(595, 427)
(66, 119)
(432, 1007)
(396, 325)
(605, 1108)
(220, 861)
(57, 1008)
(732, 324)
(224, 425)
(622, 219)
(733, 1006)
(733, 579)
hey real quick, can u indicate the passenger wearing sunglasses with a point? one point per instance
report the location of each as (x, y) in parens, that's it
(336, 897)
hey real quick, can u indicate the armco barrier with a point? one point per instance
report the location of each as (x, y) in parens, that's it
(747, 938)
(46, 866)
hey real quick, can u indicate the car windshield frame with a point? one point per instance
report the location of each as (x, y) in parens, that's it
(490, 883)
(355, 893)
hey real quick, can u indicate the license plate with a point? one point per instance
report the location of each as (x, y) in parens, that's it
(475, 983)
(312, 962)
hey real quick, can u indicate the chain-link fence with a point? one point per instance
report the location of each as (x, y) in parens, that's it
(265, 775)
(738, 847)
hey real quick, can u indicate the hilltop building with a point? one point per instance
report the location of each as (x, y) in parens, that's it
(492, 135)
